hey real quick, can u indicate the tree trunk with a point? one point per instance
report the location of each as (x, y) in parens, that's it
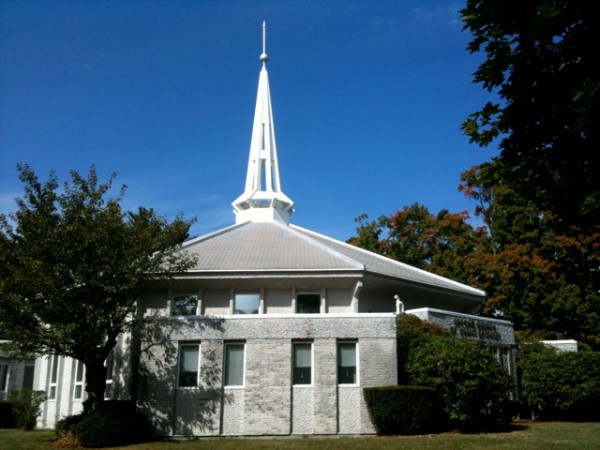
(95, 385)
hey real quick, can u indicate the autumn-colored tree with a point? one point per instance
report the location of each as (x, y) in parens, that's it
(541, 277)
(442, 243)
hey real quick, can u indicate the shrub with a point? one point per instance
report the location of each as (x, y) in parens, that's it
(402, 409)
(413, 332)
(117, 423)
(562, 385)
(7, 416)
(474, 389)
(26, 407)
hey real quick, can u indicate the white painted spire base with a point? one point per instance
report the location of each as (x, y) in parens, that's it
(263, 200)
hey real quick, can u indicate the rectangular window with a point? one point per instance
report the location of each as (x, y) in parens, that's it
(4, 368)
(189, 358)
(234, 364)
(53, 376)
(247, 303)
(308, 303)
(347, 362)
(28, 377)
(184, 305)
(302, 362)
(78, 384)
(110, 368)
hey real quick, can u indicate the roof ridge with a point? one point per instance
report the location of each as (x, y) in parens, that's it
(212, 234)
(296, 231)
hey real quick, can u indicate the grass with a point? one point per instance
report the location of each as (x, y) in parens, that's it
(524, 436)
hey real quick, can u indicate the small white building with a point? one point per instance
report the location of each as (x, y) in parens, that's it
(276, 330)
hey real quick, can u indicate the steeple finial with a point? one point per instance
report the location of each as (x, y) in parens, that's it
(263, 200)
(263, 56)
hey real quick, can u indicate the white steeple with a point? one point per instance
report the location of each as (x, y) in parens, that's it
(263, 200)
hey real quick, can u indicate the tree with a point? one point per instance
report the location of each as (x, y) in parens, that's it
(561, 385)
(72, 264)
(541, 62)
(541, 277)
(442, 243)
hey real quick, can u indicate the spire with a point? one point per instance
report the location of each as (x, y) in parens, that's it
(263, 200)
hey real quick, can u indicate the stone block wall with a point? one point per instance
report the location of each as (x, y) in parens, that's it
(268, 403)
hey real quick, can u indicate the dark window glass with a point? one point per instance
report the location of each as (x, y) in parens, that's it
(308, 303)
(184, 305)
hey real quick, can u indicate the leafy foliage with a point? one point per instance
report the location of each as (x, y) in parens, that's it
(72, 264)
(541, 277)
(561, 385)
(439, 243)
(402, 409)
(114, 424)
(26, 407)
(537, 277)
(474, 390)
(540, 198)
(541, 63)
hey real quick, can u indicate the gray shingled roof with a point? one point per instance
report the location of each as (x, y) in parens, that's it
(266, 247)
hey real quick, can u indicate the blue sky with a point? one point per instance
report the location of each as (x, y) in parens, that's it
(368, 97)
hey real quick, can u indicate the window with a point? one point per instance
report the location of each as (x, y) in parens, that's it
(347, 362)
(247, 303)
(53, 376)
(302, 362)
(308, 303)
(184, 305)
(28, 377)
(234, 364)
(110, 365)
(4, 370)
(189, 356)
(78, 385)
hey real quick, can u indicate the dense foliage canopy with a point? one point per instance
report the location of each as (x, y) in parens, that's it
(72, 265)
(541, 62)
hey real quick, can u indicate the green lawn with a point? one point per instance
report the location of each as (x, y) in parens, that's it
(525, 436)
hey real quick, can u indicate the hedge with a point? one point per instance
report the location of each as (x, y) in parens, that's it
(402, 409)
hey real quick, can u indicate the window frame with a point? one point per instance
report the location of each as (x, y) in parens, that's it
(53, 363)
(295, 382)
(308, 294)
(4, 377)
(197, 347)
(181, 296)
(341, 343)
(227, 365)
(29, 376)
(109, 364)
(78, 380)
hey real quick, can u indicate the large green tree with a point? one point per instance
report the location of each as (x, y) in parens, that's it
(72, 264)
(541, 63)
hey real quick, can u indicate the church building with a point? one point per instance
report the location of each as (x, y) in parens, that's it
(276, 330)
